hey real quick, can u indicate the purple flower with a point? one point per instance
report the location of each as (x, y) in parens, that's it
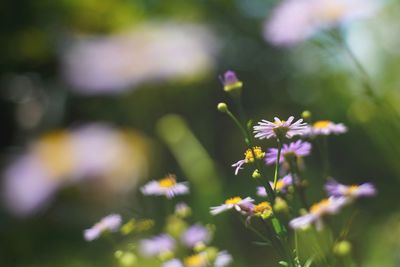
(281, 186)
(327, 206)
(157, 245)
(230, 81)
(335, 189)
(294, 21)
(195, 235)
(297, 149)
(151, 53)
(110, 223)
(279, 129)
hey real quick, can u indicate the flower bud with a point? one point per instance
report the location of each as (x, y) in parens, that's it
(231, 82)
(342, 248)
(256, 174)
(281, 205)
(306, 115)
(222, 107)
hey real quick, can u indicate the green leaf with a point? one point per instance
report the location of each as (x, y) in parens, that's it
(283, 263)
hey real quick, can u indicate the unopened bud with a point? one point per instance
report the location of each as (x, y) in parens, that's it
(281, 205)
(256, 174)
(306, 115)
(231, 82)
(222, 107)
(342, 248)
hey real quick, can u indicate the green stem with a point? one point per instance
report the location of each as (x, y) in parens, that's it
(277, 163)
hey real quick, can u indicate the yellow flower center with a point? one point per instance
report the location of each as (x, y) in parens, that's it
(168, 181)
(233, 201)
(195, 260)
(264, 210)
(352, 189)
(320, 206)
(322, 124)
(280, 185)
(263, 206)
(248, 155)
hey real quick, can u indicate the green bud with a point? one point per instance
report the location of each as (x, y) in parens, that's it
(222, 107)
(281, 205)
(128, 259)
(199, 247)
(167, 255)
(212, 253)
(256, 174)
(342, 248)
(175, 226)
(306, 115)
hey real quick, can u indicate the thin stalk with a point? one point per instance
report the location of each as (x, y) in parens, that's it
(295, 172)
(277, 163)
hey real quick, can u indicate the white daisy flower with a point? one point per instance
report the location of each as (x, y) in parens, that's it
(237, 203)
(280, 128)
(165, 187)
(326, 127)
(110, 223)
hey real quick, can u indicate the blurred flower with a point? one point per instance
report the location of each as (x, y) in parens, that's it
(248, 157)
(293, 150)
(165, 187)
(196, 260)
(157, 245)
(281, 186)
(237, 203)
(223, 259)
(173, 263)
(153, 52)
(182, 210)
(351, 191)
(231, 81)
(330, 205)
(326, 127)
(195, 235)
(61, 158)
(293, 21)
(279, 129)
(110, 223)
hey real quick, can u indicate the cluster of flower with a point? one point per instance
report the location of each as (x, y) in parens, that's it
(179, 238)
(287, 157)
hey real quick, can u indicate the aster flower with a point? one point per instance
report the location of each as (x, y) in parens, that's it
(167, 186)
(157, 245)
(195, 235)
(237, 203)
(110, 223)
(281, 186)
(293, 150)
(326, 127)
(294, 21)
(230, 81)
(327, 206)
(350, 191)
(248, 158)
(263, 210)
(223, 259)
(279, 128)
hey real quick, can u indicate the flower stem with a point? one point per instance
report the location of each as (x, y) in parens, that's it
(277, 163)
